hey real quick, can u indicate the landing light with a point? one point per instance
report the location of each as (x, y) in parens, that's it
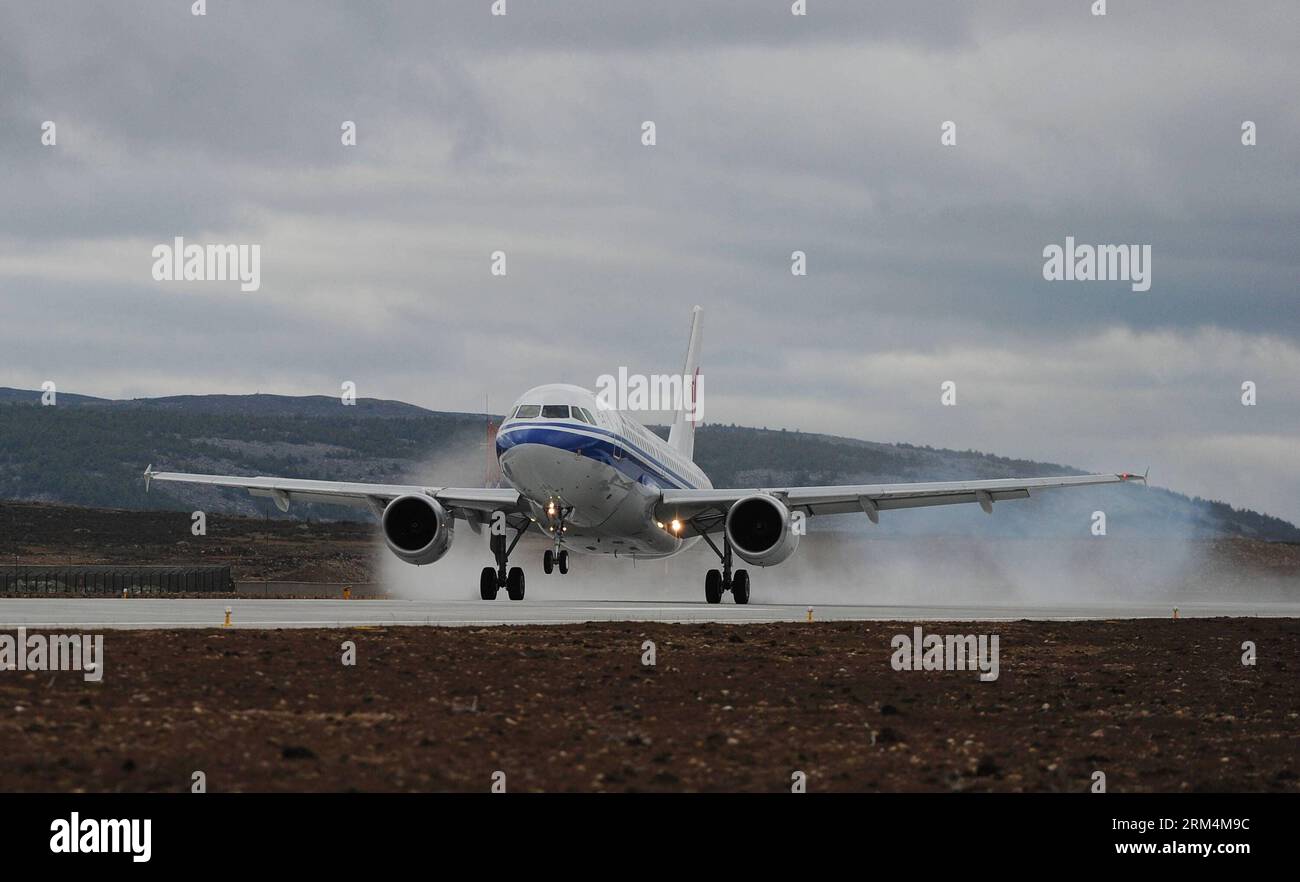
(677, 525)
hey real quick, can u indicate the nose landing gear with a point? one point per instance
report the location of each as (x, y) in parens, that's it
(556, 556)
(552, 559)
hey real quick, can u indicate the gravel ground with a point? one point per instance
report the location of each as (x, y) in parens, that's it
(1155, 705)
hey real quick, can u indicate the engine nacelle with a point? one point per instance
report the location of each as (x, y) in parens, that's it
(417, 529)
(759, 530)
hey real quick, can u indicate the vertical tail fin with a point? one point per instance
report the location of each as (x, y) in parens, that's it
(681, 437)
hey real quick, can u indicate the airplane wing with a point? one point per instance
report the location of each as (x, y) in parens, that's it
(470, 503)
(702, 511)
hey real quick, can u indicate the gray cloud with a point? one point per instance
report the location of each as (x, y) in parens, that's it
(775, 134)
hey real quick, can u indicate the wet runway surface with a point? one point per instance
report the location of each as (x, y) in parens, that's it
(280, 613)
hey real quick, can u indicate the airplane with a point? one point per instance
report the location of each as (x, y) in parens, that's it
(593, 480)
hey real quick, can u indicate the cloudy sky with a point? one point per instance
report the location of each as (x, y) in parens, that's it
(775, 133)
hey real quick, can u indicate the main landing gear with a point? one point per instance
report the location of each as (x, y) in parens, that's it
(492, 579)
(716, 582)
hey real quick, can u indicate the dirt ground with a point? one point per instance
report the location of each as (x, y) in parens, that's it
(1155, 705)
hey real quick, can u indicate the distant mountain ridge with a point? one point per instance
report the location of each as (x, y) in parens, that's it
(91, 451)
(271, 405)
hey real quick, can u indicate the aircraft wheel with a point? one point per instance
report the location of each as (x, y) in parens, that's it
(740, 586)
(713, 586)
(564, 562)
(515, 583)
(548, 562)
(487, 584)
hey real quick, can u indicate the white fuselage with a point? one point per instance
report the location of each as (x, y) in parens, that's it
(602, 470)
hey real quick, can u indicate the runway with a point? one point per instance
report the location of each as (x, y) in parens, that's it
(142, 613)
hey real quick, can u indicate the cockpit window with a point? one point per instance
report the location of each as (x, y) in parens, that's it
(527, 411)
(555, 411)
(586, 415)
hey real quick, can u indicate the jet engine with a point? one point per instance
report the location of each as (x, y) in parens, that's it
(759, 530)
(417, 529)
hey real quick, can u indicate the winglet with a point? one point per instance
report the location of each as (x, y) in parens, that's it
(148, 475)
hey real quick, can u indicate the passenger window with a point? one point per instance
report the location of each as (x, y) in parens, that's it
(527, 412)
(555, 411)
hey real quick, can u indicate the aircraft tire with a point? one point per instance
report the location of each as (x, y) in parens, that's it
(713, 586)
(515, 583)
(487, 584)
(740, 586)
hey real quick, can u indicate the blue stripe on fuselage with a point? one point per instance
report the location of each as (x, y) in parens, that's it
(634, 462)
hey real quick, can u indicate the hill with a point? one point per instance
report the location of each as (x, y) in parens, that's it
(91, 451)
